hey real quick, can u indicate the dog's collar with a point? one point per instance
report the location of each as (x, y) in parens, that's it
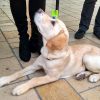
(49, 59)
(66, 54)
(53, 58)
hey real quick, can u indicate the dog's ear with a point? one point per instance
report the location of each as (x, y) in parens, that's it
(58, 42)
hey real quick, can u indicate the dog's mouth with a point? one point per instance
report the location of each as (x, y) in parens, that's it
(41, 17)
(40, 11)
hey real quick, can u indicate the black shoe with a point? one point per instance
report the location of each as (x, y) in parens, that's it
(97, 34)
(24, 51)
(35, 45)
(79, 34)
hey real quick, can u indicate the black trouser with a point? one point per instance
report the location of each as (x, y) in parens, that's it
(86, 16)
(18, 9)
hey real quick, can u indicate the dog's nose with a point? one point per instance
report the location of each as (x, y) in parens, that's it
(40, 11)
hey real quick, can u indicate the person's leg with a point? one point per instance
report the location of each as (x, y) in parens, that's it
(36, 38)
(97, 25)
(86, 16)
(18, 9)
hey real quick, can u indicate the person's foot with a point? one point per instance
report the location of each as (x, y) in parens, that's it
(24, 51)
(35, 45)
(97, 34)
(79, 34)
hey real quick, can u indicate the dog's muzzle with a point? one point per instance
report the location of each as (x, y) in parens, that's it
(40, 11)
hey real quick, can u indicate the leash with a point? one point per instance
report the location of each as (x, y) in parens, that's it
(55, 12)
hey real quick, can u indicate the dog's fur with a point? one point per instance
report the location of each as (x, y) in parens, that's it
(58, 59)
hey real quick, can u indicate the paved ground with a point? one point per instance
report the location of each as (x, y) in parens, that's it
(9, 61)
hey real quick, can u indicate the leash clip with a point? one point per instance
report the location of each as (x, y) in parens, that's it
(54, 14)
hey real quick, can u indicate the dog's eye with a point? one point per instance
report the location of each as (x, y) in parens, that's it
(53, 22)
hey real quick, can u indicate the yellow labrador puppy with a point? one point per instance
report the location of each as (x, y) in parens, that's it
(58, 59)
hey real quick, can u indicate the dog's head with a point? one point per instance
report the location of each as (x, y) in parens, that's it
(53, 31)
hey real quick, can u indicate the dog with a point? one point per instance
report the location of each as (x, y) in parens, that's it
(57, 59)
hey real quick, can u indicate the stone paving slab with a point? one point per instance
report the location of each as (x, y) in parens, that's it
(14, 42)
(11, 34)
(69, 18)
(83, 85)
(9, 66)
(2, 13)
(59, 90)
(6, 23)
(1, 37)
(8, 28)
(92, 38)
(3, 18)
(93, 94)
(5, 50)
(84, 41)
(75, 28)
(71, 23)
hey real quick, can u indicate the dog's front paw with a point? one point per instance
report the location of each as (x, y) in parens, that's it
(4, 81)
(20, 90)
(94, 78)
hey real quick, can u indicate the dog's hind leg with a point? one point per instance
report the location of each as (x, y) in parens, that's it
(92, 63)
(28, 70)
(94, 78)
